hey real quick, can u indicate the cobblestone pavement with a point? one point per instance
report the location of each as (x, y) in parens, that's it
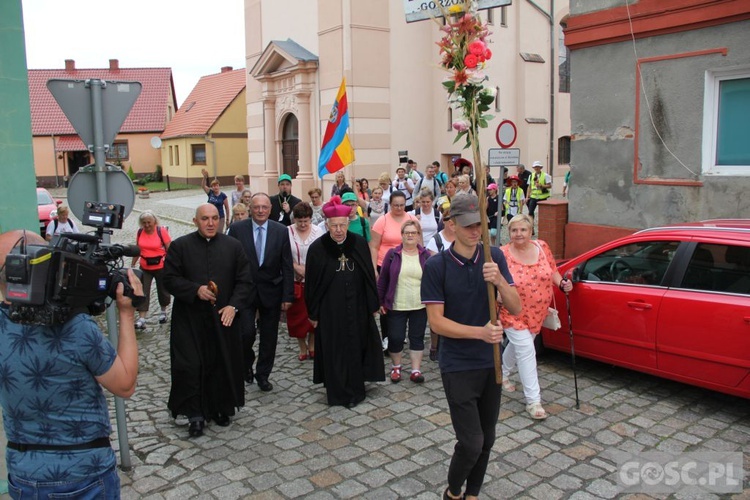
(397, 444)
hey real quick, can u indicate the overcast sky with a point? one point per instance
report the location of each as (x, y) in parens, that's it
(193, 37)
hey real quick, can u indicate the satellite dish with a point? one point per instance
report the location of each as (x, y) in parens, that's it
(155, 142)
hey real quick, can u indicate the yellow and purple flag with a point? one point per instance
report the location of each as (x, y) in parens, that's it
(336, 151)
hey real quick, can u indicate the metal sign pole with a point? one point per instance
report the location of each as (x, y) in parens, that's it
(96, 87)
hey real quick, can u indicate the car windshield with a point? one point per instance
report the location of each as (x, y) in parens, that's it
(43, 198)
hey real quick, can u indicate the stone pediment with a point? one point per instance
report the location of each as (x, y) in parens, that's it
(283, 56)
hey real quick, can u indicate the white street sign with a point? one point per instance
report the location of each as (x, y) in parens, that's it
(503, 157)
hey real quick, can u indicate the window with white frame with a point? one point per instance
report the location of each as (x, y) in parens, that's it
(726, 120)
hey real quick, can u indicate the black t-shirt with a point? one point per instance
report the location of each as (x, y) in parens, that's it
(459, 285)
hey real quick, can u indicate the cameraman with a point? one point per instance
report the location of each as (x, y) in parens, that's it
(54, 410)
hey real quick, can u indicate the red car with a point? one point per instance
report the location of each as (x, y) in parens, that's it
(669, 301)
(47, 208)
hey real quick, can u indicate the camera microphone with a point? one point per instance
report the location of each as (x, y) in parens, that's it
(131, 251)
(118, 250)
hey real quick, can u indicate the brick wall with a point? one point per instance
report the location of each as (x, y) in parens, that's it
(552, 216)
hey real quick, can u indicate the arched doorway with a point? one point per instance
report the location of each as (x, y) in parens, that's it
(290, 146)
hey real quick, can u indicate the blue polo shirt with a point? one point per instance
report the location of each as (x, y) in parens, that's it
(459, 285)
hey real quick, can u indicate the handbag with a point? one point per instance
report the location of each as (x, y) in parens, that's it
(299, 290)
(552, 320)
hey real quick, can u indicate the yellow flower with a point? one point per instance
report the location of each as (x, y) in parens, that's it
(455, 9)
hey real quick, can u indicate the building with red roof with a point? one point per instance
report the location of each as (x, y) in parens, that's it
(59, 152)
(209, 131)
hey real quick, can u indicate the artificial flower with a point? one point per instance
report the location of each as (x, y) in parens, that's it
(461, 125)
(477, 48)
(464, 54)
(476, 77)
(460, 77)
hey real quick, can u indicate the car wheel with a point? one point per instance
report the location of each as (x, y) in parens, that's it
(539, 345)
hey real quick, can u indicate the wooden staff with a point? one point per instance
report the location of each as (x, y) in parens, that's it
(481, 183)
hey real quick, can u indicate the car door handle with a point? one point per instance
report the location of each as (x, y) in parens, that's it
(639, 305)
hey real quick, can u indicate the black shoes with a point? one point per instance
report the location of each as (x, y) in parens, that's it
(249, 376)
(196, 428)
(264, 384)
(221, 420)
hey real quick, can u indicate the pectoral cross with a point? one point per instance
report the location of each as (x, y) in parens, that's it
(344, 264)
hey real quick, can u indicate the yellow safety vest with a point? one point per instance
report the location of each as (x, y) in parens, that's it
(536, 190)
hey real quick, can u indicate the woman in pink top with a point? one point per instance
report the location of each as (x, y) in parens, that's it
(153, 240)
(386, 233)
(534, 270)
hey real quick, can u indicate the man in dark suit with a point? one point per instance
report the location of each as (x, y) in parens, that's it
(283, 203)
(266, 243)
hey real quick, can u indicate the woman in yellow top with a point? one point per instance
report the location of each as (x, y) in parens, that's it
(399, 292)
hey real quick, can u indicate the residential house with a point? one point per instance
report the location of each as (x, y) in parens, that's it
(59, 152)
(394, 86)
(209, 131)
(660, 99)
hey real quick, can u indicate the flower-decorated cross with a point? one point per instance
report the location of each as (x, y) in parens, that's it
(464, 55)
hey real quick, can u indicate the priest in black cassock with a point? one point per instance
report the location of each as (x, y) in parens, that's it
(341, 297)
(205, 348)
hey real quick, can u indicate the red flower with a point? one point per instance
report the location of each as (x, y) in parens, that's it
(488, 54)
(477, 48)
(471, 61)
(466, 24)
(460, 77)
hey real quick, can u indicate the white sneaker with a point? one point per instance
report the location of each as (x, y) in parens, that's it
(162, 318)
(140, 324)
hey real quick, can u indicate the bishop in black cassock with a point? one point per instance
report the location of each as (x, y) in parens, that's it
(341, 297)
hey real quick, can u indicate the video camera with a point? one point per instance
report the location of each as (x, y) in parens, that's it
(48, 285)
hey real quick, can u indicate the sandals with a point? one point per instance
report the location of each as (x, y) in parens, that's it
(302, 357)
(396, 374)
(536, 411)
(508, 385)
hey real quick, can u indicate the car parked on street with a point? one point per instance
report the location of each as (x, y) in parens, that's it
(47, 208)
(669, 301)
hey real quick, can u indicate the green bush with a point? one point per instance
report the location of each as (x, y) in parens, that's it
(158, 175)
(131, 174)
